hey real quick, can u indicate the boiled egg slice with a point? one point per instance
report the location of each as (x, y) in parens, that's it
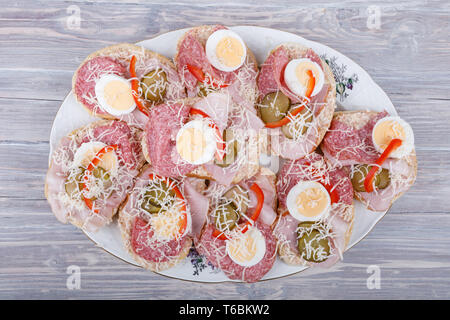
(196, 142)
(308, 201)
(225, 50)
(246, 249)
(166, 224)
(389, 128)
(88, 150)
(296, 76)
(114, 95)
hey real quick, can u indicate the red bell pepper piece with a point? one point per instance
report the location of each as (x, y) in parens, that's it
(368, 182)
(200, 76)
(92, 165)
(135, 87)
(179, 195)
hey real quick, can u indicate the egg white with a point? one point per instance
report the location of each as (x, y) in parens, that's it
(100, 94)
(407, 144)
(212, 43)
(85, 153)
(292, 82)
(295, 192)
(208, 134)
(260, 242)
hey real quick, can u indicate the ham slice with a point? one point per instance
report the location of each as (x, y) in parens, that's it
(198, 206)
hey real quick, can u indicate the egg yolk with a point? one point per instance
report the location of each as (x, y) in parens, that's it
(166, 225)
(229, 51)
(385, 131)
(191, 144)
(108, 161)
(311, 202)
(118, 95)
(242, 248)
(301, 72)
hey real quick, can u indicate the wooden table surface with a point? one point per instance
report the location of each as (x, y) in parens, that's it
(407, 54)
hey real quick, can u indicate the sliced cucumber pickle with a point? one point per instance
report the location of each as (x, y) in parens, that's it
(381, 181)
(155, 199)
(153, 85)
(312, 246)
(226, 217)
(274, 107)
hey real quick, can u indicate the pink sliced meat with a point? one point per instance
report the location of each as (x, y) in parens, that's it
(380, 200)
(145, 245)
(217, 106)
(215, 251)
(198, 207)
(160, 133)
(345, 145)
(87, 76)
(268, 214)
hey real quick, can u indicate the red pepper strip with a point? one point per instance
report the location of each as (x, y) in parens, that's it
(200, 76)
(368, 182)
(92, 165)
(220, 144)
(179, 196)
(287, 119)
(219, 235)
(135, 87)
(260, 197)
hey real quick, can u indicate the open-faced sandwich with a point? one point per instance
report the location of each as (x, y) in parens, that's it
(297, 98)
(159, 219)
(92, 171)
(316, 213)
(123, 81)
(203, 137)
(213, 58)
(237, 236)
(378, 152)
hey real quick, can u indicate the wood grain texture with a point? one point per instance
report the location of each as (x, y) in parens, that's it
(408, 56)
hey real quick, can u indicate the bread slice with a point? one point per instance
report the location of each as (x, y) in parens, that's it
(297, 50)
(357, 119)
(125, 222)
(123, 53)
(75, 133)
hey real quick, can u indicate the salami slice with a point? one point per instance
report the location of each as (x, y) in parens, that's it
(160, 139)
(64, 180)
(346, 143)
(215, 251)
